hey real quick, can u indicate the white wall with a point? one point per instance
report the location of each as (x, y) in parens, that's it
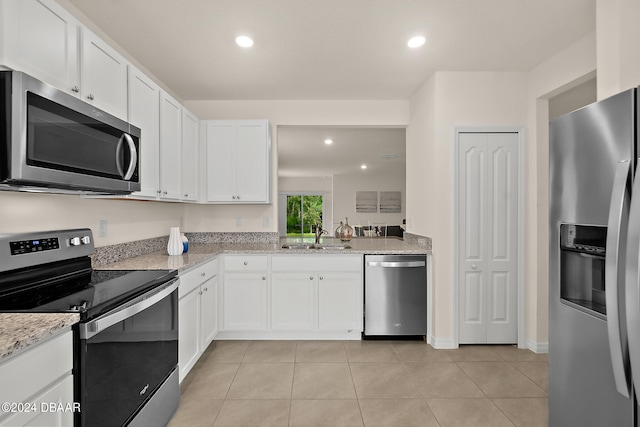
(127, 220)
(447, 100)
(344, 197)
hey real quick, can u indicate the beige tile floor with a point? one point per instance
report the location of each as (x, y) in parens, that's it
(363, 383)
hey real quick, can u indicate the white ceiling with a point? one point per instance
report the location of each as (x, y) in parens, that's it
(333, 49)
(303, 153)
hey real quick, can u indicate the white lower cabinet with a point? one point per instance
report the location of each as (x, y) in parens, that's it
(293, 301)
(245, 301)
(292, 297)
(198, 314)
(42, 378)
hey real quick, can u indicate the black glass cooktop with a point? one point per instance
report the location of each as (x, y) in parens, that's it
(87, 292)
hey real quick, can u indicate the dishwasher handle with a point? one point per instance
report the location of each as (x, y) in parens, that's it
(395, 264)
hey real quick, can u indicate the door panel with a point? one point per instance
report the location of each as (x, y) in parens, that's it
(488, 233)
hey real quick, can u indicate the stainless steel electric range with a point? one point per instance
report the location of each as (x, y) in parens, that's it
(126, 344)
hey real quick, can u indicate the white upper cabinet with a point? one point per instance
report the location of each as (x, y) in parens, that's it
(238, 161)
(103, 75)
(189, 156)
(41, 39)
(170, 147)
(144, 112)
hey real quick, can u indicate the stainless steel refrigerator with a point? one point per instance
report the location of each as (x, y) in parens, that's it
(594, 303)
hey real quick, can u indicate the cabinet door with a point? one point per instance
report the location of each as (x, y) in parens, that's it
(104, 75)
(40, 38)
(252, 161)
(144, 112)
(221, 173)
(170, 147)
(189, 331)
(339, 301)
(189, 156)
(209, 311)
(245, 301)
(61, 393)
(293, 301)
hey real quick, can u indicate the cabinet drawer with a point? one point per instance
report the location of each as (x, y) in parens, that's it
(316, 263)
(245, 263)
(36, 368)
(196, 276)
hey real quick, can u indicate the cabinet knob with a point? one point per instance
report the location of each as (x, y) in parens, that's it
(200, 293)
(310, 277)
(164, 192)
(238, 197)
(90, 97)
(203, 274)
(206, 289)
(75, 89)
(159, 192)
(246, 263)
(473, 266)
(321, 278)
(233, 197)
(264, 277)
(186, 195)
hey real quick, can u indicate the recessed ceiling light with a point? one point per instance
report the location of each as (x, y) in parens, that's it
(328, 141)
(363, 166)
(415, 42)
(244, 41)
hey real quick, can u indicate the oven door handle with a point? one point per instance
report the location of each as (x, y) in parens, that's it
(89, 329)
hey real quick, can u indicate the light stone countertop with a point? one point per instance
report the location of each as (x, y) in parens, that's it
(20, 330)
(199, 253)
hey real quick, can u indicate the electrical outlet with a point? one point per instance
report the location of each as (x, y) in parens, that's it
(102, 228)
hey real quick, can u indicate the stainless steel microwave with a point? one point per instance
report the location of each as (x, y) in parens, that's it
(54, 142)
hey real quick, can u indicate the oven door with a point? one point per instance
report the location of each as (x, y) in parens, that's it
(126, 356)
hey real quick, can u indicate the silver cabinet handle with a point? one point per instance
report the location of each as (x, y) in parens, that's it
(75, 89)
(90, 97)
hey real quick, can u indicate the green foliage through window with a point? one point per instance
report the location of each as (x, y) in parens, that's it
(303, 213)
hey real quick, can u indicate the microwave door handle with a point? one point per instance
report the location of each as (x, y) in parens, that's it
(133, 157)
(616, 233)
(119, 154)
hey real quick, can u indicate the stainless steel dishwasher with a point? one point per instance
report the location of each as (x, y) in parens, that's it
(395, 295)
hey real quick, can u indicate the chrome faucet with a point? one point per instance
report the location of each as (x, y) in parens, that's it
(319, 232)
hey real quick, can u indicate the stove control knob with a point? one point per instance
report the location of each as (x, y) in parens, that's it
(74, 241)
(86, 240)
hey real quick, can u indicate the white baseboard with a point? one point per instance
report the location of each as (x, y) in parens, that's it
(442, 344)
(538, 347)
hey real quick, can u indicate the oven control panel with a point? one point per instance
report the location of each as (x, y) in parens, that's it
(35, 245)
(30, 249)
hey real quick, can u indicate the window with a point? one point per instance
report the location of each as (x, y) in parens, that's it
(303, 213)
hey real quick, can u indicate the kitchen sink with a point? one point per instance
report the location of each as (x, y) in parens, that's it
(332, 246)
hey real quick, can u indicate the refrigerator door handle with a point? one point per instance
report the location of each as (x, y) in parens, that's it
(616, 232)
